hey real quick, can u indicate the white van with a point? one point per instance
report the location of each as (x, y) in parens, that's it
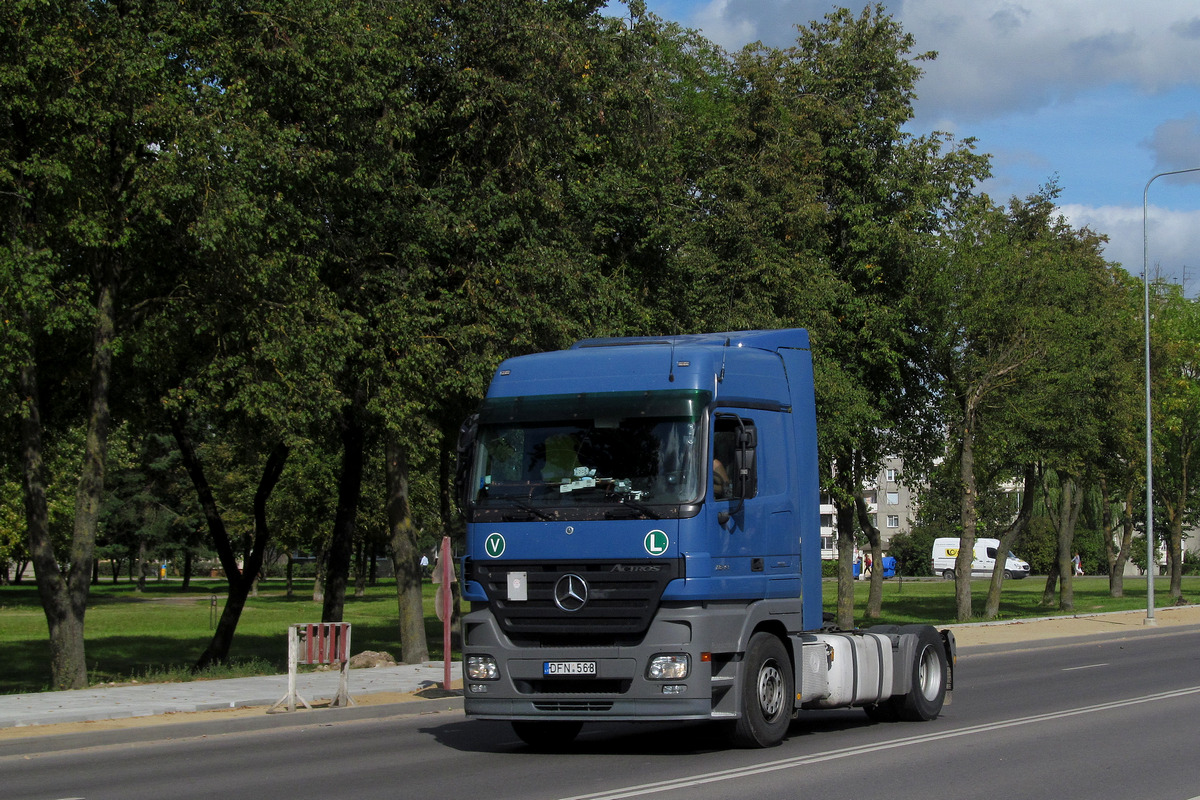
(945, 551)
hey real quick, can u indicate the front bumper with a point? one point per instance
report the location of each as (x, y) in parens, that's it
(619, 690)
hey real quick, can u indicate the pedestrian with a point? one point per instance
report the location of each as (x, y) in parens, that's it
(1078, 564)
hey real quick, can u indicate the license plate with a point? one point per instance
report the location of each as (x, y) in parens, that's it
(569, 668)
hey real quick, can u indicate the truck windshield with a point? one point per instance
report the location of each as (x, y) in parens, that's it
(581, 456)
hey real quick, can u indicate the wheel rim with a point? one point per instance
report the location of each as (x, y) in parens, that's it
(770, 690)
(929, 673)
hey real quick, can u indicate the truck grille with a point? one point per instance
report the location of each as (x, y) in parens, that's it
(591, 687)
(621, 599)
(574, 705)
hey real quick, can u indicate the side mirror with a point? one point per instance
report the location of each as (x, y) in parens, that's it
(467, 434)
(745, 471)
(745, 478)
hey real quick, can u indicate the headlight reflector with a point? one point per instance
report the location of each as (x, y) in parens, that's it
(482, 668)
(668, 667)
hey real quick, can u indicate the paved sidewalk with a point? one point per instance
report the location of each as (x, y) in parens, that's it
(116, 702)
(1116, 623)
(394, 684)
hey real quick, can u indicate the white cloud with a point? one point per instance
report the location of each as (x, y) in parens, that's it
(1011, 56)
(997, 56)
(1172, 241)
(1176, 143)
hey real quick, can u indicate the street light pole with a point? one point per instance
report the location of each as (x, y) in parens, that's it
(1150, 563)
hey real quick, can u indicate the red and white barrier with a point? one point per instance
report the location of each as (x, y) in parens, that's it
(318, 643)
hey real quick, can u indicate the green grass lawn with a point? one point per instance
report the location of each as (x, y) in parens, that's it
(158, 634)
(931, 600)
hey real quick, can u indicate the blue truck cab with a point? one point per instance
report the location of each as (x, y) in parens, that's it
(643, 543)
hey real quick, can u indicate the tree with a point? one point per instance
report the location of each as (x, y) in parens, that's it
(91, 90)
(887, 195)
(1011, 339)
(1176, 427)
(1068, 403)
(1122, 452)
(242, 577)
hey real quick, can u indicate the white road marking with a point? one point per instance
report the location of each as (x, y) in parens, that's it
(1089, 666)
(852, 752)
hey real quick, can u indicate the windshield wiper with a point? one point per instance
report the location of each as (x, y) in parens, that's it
(524, 505)
(640, 506)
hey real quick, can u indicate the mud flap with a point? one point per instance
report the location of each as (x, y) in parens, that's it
(951, 658)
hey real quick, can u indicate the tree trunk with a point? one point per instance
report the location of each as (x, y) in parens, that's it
(1064, 517)
(991, 606)
(360, 568)
(1175, 554)
(967, 517)
(1050, 590)
(68, 668)
(141, 564)
(1116, 570)
(406, 557)
(875, 592)
(239, 581)
(843, 500)
(373, 563)
(64, 598)
(187, 570)
(341, 544)
(318, 595)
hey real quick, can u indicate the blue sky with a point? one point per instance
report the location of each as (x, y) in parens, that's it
(1097, 94)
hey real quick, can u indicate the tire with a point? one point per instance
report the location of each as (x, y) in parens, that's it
(1007, 575)
(767, 693)
(927, 693)
(550, 735)
(948, 574)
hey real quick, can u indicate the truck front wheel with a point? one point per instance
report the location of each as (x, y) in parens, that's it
(767, 691)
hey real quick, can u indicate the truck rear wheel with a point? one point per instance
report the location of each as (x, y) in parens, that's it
(768, 690)
(948, 574)
(548, 735)
(927, 693)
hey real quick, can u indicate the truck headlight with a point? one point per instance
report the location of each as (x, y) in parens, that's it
(668, 667)
(482, 668)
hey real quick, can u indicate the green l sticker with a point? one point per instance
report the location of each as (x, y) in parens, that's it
(656, 542)
(494, 545)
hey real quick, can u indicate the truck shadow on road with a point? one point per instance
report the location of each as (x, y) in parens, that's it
(633, 738)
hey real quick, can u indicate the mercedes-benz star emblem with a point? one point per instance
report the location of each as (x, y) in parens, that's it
(570, 593)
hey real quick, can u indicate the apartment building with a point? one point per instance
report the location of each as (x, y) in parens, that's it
(892, 504)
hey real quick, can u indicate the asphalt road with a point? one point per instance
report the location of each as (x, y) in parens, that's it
(1098, 717)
